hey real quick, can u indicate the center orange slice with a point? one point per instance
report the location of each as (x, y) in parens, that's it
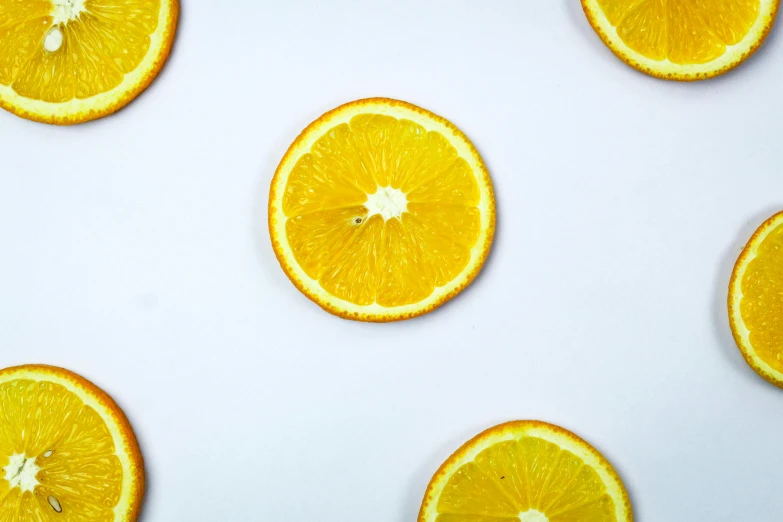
(526, 471)
(381, 211)
(67, 452)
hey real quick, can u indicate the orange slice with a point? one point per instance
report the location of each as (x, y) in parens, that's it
(756, 301)
(526, 471)
(682, 39)
(67, 452)
(70, 61)
(381, 211)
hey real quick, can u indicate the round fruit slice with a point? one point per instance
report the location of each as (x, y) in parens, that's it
(682, 39)
(756, 301)
(526, 471)
(70, 61)
(381, 211)
(67, 452)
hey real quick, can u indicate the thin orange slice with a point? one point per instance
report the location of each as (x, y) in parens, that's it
(67, 452)
(70, 61)
(682, 39)
(526, 471)
(381, 211)
(756, 301)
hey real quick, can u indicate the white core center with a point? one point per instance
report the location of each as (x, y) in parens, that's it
(53, 40)
(66, 10)
(21, 472)
(532, 515)
(388, 202)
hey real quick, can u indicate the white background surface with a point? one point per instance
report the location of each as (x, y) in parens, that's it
(135, 252)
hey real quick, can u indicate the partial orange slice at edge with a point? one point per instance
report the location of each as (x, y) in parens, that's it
(67, 451)
(684, 39)
(70, 61)
(756, 301)
(526, 471)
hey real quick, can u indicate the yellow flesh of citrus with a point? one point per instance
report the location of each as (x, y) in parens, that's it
(762, 299)
(529, 475)
(46, 428)
(55, 51)
(416, 234)
(682, 31)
